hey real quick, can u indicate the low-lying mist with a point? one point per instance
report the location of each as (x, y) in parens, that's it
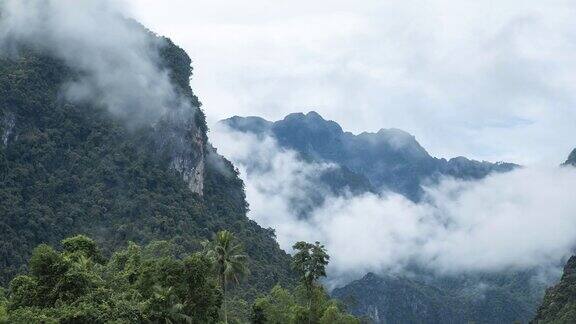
(521, 220)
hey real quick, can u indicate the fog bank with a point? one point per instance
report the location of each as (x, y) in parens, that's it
(520, 220)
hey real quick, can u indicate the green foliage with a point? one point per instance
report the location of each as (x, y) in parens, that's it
(165, 306)
(3, 306)
(82, 246)
(277, 306)
(227, 256)
(258, 316)
(310, 262)
(228, 259)
(133, 286)
(333, 314)
(282, 306)
(308, 302)
(559, 304)
(239, 310)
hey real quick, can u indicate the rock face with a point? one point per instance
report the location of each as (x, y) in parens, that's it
(181, 133)
(397, 299)
(7, 124)
(559, 304)
(181, 140)
(390, 159)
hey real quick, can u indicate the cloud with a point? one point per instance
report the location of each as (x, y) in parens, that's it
(116, 59)
(491, 80)
(295, 186)
(521, 220)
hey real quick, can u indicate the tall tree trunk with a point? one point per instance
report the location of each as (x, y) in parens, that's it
(223, 280)
(309, 311)
(309, 306)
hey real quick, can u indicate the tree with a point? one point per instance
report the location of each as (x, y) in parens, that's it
(333, 314)
(258, 316)
(83, 246)
(275, 307)
(310, 263)
(3, 305)
(282, 306)
(134, 286)
(166, 307)
(229, 261)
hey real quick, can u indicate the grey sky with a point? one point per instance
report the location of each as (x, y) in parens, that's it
(487, 79)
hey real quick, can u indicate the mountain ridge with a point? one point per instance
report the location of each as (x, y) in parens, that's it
(424, 299)
(390, 158)
(571, 159)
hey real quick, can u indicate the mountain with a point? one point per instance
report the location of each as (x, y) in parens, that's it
(571, 159)
(389, 159)
(559, 304)
(68, 168)
(502, 298)
(389, 299)
(393, 159)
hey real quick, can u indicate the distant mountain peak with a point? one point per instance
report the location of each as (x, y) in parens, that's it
(311, 115)
(398, 140)
(248, 124)
(390, 159)
(571, 159)
(313, 122)
(395, 132)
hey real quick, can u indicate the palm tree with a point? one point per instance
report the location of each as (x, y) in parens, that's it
(228, 259)
(167, 306)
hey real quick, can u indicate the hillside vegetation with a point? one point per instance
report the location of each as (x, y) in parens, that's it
(71, 168)
(559, 304)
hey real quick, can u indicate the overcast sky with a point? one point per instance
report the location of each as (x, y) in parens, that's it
(489, 80)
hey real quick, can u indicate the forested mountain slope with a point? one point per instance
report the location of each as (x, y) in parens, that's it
(559, 305)
(482, 298)
(499, 297)
(69, 168)
(390, 159)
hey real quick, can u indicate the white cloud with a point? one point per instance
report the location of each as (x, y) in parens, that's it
(520, 220)
(486, 79)
(116, 59)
